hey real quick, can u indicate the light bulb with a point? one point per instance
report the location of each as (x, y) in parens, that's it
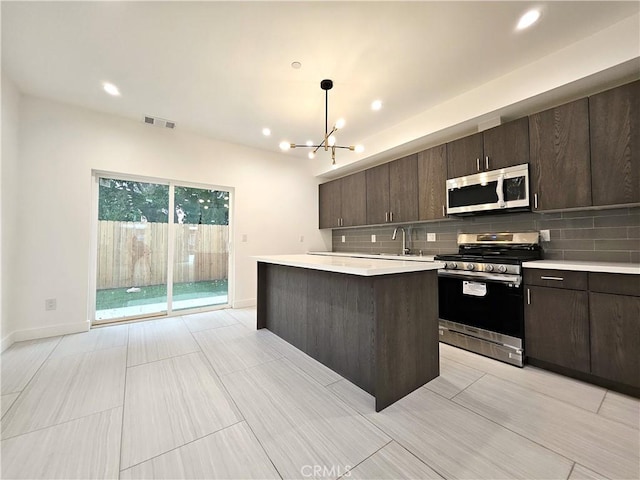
(284, 145)
(312, 155)
(340, 123)
(111, 89)
(528, 19)
(309, 143)
(376, 105)
(332, 141)
(359, 148)
(266, 132)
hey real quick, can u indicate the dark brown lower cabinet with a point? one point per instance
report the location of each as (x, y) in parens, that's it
(557, 327)
(585, 325)
(615, 337)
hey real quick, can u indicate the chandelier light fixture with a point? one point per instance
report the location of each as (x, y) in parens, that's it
(329, 140)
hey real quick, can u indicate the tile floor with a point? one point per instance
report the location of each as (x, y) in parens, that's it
(208, 396)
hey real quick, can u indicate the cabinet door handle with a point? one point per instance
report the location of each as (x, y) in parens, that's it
(444, 214)
(391, 216)
(528, 296)
(478, 163)
(386, 216)
(544, 277)
(535, 200)
(486, 162)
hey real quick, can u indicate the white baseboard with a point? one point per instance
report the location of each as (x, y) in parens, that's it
(7, 341)
(51, 331)
(248, 302)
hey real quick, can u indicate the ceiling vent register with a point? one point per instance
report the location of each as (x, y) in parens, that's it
(159, 122)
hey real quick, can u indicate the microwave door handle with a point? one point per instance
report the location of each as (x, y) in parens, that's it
(500, 191)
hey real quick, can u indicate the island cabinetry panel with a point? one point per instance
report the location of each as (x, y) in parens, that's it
(615, 145)
(432, 177)
(560, 169)
(392, 191)
(614, 305)
(339, 328)
(379, 332)
(343, 202)
(407, 351)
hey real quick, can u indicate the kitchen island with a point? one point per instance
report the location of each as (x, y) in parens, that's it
(373, 321)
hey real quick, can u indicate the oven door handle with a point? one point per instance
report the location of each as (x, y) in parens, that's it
(482, 277)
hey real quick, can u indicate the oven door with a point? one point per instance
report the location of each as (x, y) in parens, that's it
(490, 303)
(507, 188)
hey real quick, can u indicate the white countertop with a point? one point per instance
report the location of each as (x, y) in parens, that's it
(379, 256)
(580, 266)
(354, 266)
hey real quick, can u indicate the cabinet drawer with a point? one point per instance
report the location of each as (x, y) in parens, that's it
(616, 283)
(556, 278)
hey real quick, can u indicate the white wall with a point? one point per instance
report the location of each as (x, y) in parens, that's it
(276, 201)
(8, 175)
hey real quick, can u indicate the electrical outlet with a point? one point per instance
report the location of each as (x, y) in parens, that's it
(545, 235)
(373, 238)
(344, 239)
(301, 238)
(50, 304)
(431, 237)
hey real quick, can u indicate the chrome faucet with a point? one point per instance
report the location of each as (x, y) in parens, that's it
(405, 250)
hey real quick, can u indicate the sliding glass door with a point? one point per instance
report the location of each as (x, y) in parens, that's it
(151, 263)
(201, 253)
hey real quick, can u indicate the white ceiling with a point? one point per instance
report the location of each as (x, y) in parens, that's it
(223, 69)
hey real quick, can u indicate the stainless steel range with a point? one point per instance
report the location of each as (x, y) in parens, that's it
(481, 300)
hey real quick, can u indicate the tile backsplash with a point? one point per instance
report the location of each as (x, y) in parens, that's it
(599, 235)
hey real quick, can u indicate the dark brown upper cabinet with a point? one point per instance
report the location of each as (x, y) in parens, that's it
(343, 202)
(499, 147)
(560, 170)
(432, 176)
(614, 118)
(464, 156)
(392, 191)
(506, 145)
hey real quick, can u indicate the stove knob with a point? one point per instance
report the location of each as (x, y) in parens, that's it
(502, 269)
(452, 265)
(469, 266)
(488, 268)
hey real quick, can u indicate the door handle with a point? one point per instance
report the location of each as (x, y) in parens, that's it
(535, 200)
(528, 296)
(444, 214)
(478, 164)
(486, 162)
(391, 216)
(544, 277)
(386, 216)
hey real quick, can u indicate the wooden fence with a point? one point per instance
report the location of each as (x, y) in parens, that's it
(135, 254)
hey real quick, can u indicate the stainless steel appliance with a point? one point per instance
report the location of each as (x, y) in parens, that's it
(481, 304)
(503, 189)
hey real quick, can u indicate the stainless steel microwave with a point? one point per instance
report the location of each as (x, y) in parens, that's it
(503, 189)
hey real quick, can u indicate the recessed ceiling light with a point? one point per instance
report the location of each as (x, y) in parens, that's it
(528, 19)
(296, 65)
(266, 132)
(111, 89)
(376, 105)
